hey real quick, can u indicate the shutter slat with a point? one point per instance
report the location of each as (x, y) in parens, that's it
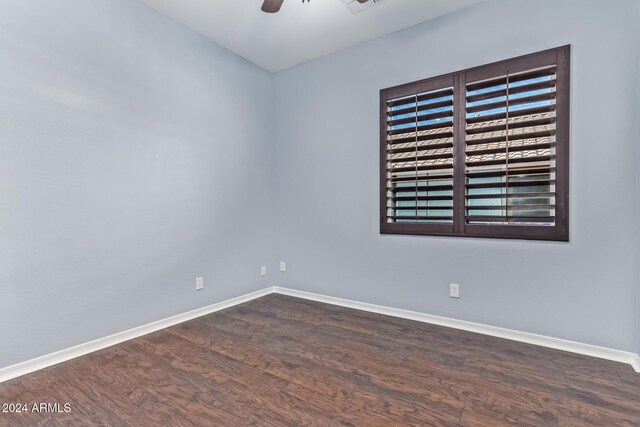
(502, 80)
(509, 219)
(532, 195)
(512, 172)
(423, 157)
(512, 125)
(512, 149)
(532, 183)
(421, 168)
(539, 207)
(511, 161)
(422, 208)
(420, 147)
(420, 198)
(512, 102)
(422, 218)
(420, 98)
(421, 178)
(512, 114)
(422, 128)
(412, 138)
(511, 137)
(420, 118)
(419, 108)
(420, 188)
(531, 87)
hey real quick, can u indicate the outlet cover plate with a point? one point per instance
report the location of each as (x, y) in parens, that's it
(454, 290)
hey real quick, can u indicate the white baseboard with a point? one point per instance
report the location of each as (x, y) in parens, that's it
(42, 362)
(45, 361)
(541, 340)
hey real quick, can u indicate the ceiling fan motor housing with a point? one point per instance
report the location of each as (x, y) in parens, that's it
(356, 6)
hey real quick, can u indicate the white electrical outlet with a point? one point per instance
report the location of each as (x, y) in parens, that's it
(199, 283)
(263, 270)
(283, 266)
(454, 290)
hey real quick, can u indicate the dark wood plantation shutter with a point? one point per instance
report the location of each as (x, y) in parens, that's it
(515, 139)
(479, 153)
(418, 124)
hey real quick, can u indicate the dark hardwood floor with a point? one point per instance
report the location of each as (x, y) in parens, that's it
(282, 361)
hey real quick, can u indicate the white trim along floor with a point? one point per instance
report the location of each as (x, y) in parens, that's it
(42, 362)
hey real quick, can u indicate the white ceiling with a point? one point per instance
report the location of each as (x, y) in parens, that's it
(299, 32)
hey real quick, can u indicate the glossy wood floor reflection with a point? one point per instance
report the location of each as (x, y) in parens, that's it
(282, 361)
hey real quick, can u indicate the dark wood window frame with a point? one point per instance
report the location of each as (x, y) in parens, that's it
(460, 222)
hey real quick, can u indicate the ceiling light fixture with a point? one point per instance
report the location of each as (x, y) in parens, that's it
(273, 6)
(357, 6)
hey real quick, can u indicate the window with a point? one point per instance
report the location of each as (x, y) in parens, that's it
(482, 152)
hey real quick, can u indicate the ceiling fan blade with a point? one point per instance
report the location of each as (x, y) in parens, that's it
(362, 1)
(272, 6)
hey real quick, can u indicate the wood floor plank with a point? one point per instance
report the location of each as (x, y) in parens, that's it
(284, 361)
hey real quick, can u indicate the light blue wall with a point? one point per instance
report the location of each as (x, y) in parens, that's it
(134, 157)
(327, 177)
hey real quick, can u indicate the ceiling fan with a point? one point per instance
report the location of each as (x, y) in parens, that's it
(272, 6)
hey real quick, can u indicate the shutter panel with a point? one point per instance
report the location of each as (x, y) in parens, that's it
(419, 158)
(510, 149)
(482, 152)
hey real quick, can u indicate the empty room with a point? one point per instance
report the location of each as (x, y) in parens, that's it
(319, 212)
